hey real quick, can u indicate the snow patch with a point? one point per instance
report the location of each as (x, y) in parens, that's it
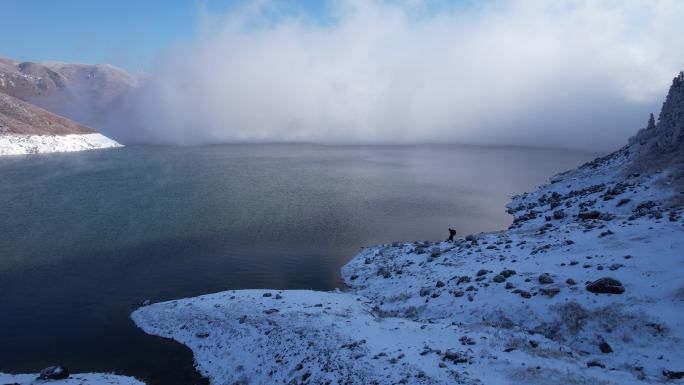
(12, 144)
(75, 379)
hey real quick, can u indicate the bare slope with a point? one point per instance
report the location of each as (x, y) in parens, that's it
(19, 117)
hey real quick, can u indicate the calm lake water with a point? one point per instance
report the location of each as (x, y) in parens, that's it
(86, 236)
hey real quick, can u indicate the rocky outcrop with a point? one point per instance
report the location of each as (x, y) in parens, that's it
(661, 145)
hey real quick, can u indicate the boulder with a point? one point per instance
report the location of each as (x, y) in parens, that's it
(54, 373)
(589, 215)
(550, 291)
(673, 375)
(606, 285)
(545, 279)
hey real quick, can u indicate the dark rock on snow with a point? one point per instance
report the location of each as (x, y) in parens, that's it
(606, 285)
(545, 279)
(54, 373)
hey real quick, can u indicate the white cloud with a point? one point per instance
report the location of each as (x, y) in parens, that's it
(573, 73)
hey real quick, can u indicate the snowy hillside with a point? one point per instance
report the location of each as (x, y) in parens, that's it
(585, 287)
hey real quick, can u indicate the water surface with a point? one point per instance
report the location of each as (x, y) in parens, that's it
(86, 236)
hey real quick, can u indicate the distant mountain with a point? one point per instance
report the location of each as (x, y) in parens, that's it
(81, 92)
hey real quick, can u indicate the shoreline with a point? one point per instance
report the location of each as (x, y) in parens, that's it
(426, 312)
(16, 144)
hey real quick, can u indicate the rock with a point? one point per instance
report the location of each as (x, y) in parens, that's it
(525, 294)
(455, 357)
(463, 279)
(605, 347)
(54, 373)
(589, 215)
(353, 277)
(550, 291)
(570, 281)
(202, 334)
(623, 202)
(615, 266)
(596, 363)
(278, 296)
(606, 285)
(425, 291)
(559, 214)
(470, 238)
(271, 311)
(507, 273)
(499, 278)
(509, 285)
(673, 375)
(439, 284)
(266, 295)
(482, 272)
(534, 343)
(545, 279)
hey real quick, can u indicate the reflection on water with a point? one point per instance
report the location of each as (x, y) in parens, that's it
(86, 236)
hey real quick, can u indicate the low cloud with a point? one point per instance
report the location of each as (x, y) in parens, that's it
(579, 74)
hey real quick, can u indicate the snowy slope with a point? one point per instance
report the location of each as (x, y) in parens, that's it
(75, 379)
(13, 144)
(507, 307)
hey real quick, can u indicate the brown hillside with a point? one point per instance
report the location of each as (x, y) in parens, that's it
(19, 117)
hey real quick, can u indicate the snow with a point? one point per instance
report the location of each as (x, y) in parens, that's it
(74, 379)
(420, 313)
(12, 144)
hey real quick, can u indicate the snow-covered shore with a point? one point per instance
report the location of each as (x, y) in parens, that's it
(75, 379)
(479, 310)
(14, 144)
(586, 287)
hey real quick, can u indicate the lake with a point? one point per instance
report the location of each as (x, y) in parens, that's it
(85, 237)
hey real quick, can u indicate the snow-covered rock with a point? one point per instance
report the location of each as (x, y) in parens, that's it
(74, 379)
(585, 287)
(14, 144)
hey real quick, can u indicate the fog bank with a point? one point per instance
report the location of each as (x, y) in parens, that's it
(581, 74)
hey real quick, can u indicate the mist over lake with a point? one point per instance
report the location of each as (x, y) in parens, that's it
(87, 236)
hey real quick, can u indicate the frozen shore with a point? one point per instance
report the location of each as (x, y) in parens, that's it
(75, 379)
(586, 287)
(477, 310)
(14, 144)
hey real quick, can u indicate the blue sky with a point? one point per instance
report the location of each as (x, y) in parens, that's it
(127, 33)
